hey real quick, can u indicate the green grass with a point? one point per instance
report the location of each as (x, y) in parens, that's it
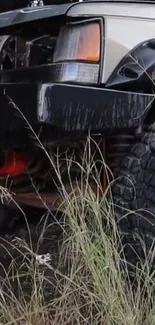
(97, 289)
(94, 287)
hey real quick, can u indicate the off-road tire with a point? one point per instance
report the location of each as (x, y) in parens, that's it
(135, 190)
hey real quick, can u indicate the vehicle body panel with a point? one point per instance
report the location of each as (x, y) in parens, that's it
(70, 107)
(39, 107)
(114, 9)
(26, 15)
(126, 26)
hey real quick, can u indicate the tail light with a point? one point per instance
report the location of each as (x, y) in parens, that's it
(14, 163)
(77, 53)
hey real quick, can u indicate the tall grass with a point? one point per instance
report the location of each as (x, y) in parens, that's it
(94, 287)
(98, 288)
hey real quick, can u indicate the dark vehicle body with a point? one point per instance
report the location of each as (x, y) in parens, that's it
(67, 70)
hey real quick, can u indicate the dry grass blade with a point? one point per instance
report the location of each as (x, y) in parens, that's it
(95, 286)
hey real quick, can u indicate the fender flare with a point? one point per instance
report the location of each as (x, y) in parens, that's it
(136, 70)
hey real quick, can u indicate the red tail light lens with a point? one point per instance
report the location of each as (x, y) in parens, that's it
(15, 163)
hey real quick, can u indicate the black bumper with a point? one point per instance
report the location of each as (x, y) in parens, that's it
(72, 108)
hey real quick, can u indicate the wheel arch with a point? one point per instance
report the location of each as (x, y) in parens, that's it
(136, 72)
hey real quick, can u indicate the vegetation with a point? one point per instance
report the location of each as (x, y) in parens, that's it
(91, 283)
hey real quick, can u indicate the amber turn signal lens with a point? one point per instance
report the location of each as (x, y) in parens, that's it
(89, 43)
(79, 42)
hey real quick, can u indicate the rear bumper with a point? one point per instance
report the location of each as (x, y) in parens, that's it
(72, 108)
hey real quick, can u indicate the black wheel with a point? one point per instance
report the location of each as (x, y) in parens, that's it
(134, 191)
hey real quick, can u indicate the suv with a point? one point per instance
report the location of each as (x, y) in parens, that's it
(70, 68)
